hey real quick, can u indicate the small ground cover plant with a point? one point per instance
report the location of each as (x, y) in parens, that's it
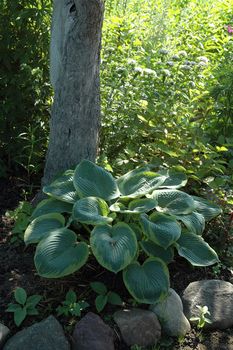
(104, 296)
(24, 306)
(201, 319)
(134, 224)
(72, 306)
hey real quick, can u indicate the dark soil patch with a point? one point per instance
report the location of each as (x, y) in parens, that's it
(17, 270)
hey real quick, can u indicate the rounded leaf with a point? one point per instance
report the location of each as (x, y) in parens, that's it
(136, 206)
(62, 188)
(161, 229)
(194, 222)
(51, 205)
(59, 254)
(173, 202)
(99, 287)
(92, 180)
(174, 179)
(140, 184)
(20, 295)
(41, 226)
(114, 247)
(207, 209)
(92, 211)
(196, 250)
(100, 302)
(19, 316)
(152, 249)
(114, 298)
(147, 283)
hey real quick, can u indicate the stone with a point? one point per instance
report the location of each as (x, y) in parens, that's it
(91, 333)
(45, 335)
(217, 295)
(4, 332)
(138, 327)
(171, 316)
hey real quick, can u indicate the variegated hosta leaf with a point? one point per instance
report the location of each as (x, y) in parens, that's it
(147, 283)
(136, 206)
(194, 222)
(92, 211)
(62, 188)
(208, 209)
(140, 184)
(196, 250)
(161, 229)
(152, 249)
(173, 202)
(41, 226)
(131, 174)
(174, 179)
(90, 180)
(51, 205)
(59, 254)
(114, 246)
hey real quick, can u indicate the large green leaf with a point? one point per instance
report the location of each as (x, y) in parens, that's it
(59, 254)
(92, 211)
(41, 226)
(173, 202)
(194, 222)
(92, 180)
(152, 249)
(196, 250)
(136, 206)
(62, 188)
(161, 229)
(139, 184)
(51, 205)
(208, 209)
(114, 247)
(147, 283)
(174, 179)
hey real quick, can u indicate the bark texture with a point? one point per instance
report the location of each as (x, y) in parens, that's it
(75, 60)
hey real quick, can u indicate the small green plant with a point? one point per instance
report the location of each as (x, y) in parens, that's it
(142, 213)
(201, 319)
(21, 216)
(104, 296)
(71, 305)
(25, 306)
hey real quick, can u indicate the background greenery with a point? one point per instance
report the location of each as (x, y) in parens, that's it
(166, 84)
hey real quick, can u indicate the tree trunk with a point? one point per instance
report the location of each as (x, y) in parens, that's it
(75, 60)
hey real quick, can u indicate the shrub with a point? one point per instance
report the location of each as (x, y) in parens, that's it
(142, 213)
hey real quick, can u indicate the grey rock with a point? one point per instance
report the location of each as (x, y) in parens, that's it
(217, 295)
(45, 335)
(138, 327)
(4, 332)
(171, 316)
(91, 333)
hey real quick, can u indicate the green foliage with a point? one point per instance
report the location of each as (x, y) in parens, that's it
(21, 216)
(25, 92)
(104, 296)
(72, 306)
(139, 214)
(25, 305)
(201, 319)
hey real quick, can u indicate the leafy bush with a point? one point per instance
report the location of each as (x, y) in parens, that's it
(142, 213)
(25, 92)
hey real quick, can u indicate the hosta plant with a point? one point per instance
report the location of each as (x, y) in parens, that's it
(132, 224)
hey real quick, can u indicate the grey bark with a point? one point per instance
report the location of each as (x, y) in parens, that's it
(75, 60)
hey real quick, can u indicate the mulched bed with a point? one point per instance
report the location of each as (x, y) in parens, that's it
(17, 270)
